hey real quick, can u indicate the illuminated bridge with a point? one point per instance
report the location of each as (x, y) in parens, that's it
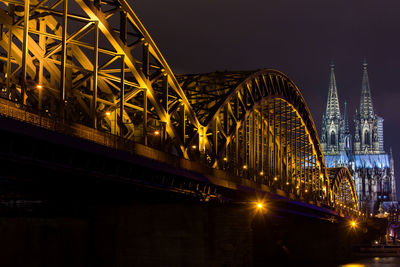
(86, 92)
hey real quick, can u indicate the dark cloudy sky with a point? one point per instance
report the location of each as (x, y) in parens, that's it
(297, 37)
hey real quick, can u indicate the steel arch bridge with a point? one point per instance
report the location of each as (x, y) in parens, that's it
(93, 63)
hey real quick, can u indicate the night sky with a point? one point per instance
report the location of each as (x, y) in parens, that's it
(297, 37)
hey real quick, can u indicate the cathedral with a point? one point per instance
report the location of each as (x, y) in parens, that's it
(363, 151)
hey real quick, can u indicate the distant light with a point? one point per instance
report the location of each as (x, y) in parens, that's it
(225, 159)
(194, 146)
(39, 86)
(297, 187)
(260, 205)
(306, 190)
(287, 183)
(376, 243)
(245, 167)
(156, 132)
(261, 173)
(371, 214)
(108, 113)
(353, 224)
(275, 178)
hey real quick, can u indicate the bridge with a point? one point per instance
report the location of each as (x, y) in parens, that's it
(84, 89)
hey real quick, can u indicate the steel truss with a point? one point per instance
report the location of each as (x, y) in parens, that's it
(92, 62)
(343, 189)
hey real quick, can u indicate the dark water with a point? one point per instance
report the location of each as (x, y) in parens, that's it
(372, 262)
(366, 262)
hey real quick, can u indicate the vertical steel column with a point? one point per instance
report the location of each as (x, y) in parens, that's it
(146, 67)
(269, 143)
(165, 105)
(274, 142)
(251, 141)
(145, 117)
(226, 127)
(183, 122)
(63, 59)
(22, 99)
(280, 146)
(95, 73)
(262, 138)
(11, 9)
(237, 135)
(122, 96)
(214, 135)
(42, 45)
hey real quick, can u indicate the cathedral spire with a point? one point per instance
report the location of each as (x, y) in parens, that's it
(366, 108)
(332, 105)
(345, 120)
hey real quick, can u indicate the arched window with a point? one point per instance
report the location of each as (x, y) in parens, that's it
(367, 139)
(333, 138)
(347, 142)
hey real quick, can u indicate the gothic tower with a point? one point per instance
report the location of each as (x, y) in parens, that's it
(373, 170)
(368, 137)
(331, 120)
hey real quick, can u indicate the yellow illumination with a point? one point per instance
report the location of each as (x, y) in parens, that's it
(275, 178)
(353, 224)
(108, 113)
(287, 183)
(194, 146)
(225, 159)
(259, 205)
(39, 86)
(261, 173)
(245, 167)
(306, 190)
(297, 187)
(156, 132)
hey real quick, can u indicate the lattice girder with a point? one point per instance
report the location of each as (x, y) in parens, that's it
(343, 189)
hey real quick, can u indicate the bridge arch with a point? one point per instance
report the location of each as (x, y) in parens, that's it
(343, 190)
(257, 125)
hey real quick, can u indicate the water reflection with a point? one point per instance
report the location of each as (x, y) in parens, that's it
(374, 262)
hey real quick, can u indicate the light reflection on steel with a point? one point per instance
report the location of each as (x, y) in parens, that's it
(98, 66)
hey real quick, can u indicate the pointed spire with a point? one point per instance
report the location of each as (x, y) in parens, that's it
(346, 120)
(332, 105)
(366, 108)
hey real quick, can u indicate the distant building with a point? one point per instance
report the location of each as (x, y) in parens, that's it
(364, 155)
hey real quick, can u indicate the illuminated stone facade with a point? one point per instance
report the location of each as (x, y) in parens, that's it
(372, 168)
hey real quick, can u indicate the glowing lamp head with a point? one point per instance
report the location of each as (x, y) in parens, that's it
(259, 205)
(261, 173)
(156, 132)
(275, 178)
(108, 113)
(245, 167)
(39, 86)
(194, 146)
(225, 159)
(353, 224)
